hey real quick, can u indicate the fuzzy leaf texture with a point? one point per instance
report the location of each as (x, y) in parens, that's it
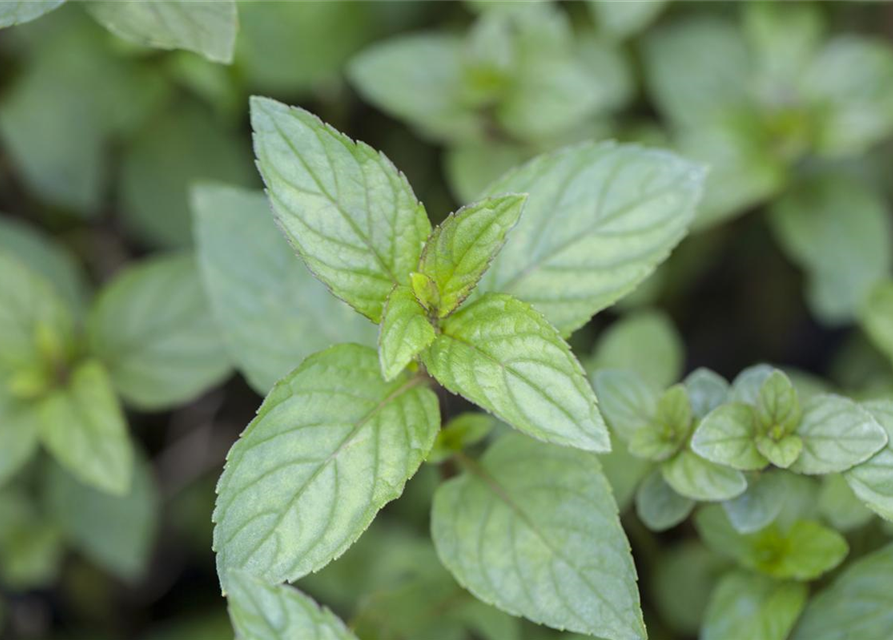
(546, 545)
(504, 356)
(405, 332)
(727, 435)
(207, 27)
(872, 481)
(599, 219)
(461, 248)
(350, 214)
(261, 611)
(331, 444)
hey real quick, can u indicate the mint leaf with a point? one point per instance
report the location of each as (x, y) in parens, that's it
(623, 471)
(747, 384)
(504, 356)
(839, 506)
(778, 406)
(804, 551)
(496, 528)
(877, 317)
(872, 480)
(262, 611)
(405, 332)
(18, 435)
(152, 328)
(760, 505)
(747, 606)
(782, 452)
(658, 506)
(858, 604)
(461, 248)
(115, 532)
(706, 391)
(347, 210)
(330, 446)
(727, 436)
(623, 19)
(693, 477)
(627, 402)
(271, 311)
(837, 434)
(208, 28)
(645, 342)
(21, 11)
(668, 430)
(84, 428)
(590, 209)
(30, 544)
(464, 430)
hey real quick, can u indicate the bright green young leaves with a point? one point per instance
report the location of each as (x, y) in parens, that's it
(546, 546)
(350, 214)
(461, 248)
(405, 331)
(261, 611)
(669, 429)
(503, 355)
(331, 444)
(746, 606)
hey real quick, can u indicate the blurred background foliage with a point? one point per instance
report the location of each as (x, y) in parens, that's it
(102, 141)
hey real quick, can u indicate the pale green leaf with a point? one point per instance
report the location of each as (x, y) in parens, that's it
(694, 477)
(658, 506)
(271, 311)
(760, 505)
(803, 551)
(746, 606)
(858, 604)
(546, 546)
(115, 532)
(470, 167)
(152, 328)
(778, 406)
(645, 342)
(668, 430)
(599, 219)
(504, 356)
(877, 317)
(627, 402)
(460, 432)
(837, 434)
(839, 232)
(839, 506)
(706, 391)
(782, 452)
(624, 472)
(783, 39)
(347, 210)
(624, 19)
(747, 384)
(14, 12)
(84, 428)
(462, 247)
(330, 446)
(18, 435)
(207, 27)
(405, 332)
(263, 611)
(872, 481)
(727, 436)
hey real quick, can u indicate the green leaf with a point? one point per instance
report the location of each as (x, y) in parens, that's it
(21, 11)
(627, 402)
(330, 446)
(747, 384)
(872, 481)
(782, 452)
(152, 328)
(405, 332)
(208, 28)
(727, 436)
(839, 232)
(115, 532)
(783, 39)
(271, 311)
(346, 209)
(462, 247)
(760, 505)
(706, 391)
(36, 327)
(858, 604)
(778, 406)
(667, 431)
(693, 477)
(877, 317)
(262, 611)
(682, 583)
(460, 432)
(747, 606)
(645, 342)
(839, 506)
(504, 356)
(803, 552)
(599, 219)
(470, 167)
(84, 428)
(503, 533)
(30, 545)
(850, 87)
(623, 471)
(837, 434)
(19, 429)
(623, 19)
(658, 506)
